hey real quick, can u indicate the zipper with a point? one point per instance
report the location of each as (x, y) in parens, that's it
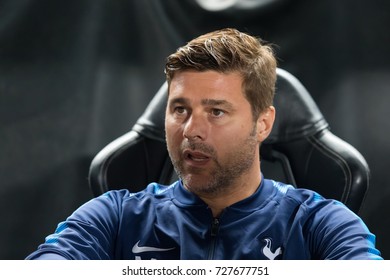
(213, 234)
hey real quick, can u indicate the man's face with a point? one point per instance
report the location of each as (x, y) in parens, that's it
(210, 131)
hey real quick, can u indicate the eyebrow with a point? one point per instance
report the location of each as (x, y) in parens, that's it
(217, 102)
(204, 102)
(178, 100)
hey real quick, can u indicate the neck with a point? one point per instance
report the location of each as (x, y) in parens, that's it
(218, 202)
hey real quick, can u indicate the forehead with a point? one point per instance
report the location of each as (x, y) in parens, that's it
(206, 85)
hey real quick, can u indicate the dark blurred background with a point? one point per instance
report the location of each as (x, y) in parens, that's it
(76, 74)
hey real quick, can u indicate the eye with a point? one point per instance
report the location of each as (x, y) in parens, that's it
(217, 112)
(180, 110)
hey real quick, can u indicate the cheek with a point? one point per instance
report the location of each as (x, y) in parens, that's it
(226, 142)
(173, 133)
(234, 140)
(238, 132)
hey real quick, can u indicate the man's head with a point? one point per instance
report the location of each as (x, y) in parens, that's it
(221, 87)
(229, 50)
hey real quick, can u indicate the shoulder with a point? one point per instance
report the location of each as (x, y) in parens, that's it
(331, 228)
(304, 197)
(113, 202)
(310, 206)
(153, 190)
(283, 193)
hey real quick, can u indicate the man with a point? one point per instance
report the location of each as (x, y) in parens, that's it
(221, 87)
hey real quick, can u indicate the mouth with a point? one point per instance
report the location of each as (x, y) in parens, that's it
(196, 157)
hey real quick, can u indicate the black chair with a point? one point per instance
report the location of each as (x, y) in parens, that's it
(301, 150)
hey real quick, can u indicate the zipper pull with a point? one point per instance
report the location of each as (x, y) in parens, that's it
(214, 227)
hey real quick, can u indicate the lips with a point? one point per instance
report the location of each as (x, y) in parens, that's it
(196, 157)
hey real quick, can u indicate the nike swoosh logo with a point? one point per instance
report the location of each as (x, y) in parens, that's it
(137, 249)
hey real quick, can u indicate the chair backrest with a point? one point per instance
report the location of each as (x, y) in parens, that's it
(301, 150)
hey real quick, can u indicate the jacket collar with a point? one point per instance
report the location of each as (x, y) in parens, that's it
(264, 193)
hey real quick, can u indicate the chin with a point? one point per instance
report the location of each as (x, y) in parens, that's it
(200, 186)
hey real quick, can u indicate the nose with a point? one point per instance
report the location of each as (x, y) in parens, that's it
(195, 127)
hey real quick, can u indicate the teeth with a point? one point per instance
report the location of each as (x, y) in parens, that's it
(197, 158)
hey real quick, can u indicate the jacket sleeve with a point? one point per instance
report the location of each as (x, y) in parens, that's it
(89, 233)
(336, 233)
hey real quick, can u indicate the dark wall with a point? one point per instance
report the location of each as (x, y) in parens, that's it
(76, 74)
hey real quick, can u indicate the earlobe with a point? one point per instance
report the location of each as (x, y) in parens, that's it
(265, 123)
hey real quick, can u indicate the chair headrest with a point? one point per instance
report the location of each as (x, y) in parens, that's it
(152, 122)
(297, 115)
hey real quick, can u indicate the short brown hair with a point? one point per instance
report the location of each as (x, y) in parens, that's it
(228, 50)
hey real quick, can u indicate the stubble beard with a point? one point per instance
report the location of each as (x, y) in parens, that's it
(222, 176)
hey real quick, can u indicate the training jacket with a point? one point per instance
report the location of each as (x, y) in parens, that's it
(168, 222)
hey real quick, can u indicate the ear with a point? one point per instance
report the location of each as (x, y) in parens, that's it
(265, 123)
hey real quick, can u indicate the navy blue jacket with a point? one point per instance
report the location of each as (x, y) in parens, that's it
(167, 222)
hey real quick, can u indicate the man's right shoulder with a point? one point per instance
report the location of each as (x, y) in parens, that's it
(153, 190)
